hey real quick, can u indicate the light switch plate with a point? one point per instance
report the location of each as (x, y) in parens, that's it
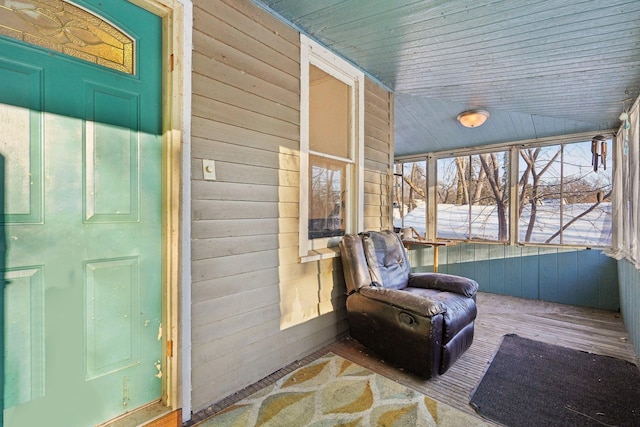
(209, 170)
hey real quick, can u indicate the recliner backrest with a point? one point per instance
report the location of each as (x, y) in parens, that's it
(354, 263)
(387, 259)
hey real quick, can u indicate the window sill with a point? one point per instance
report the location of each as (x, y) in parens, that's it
(318, 254)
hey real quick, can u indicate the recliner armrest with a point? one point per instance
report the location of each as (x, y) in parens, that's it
(444, 282)
(420, 305)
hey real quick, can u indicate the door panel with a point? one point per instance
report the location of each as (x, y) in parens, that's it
(111, 156)
(82, 152)
(113, 315)
(22, 147)
(24, 369)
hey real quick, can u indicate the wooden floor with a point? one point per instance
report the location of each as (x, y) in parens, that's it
(586, 329)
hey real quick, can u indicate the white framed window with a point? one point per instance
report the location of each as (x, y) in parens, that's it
(331, 150)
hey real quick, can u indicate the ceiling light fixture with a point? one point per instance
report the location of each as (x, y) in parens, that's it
(473, 118)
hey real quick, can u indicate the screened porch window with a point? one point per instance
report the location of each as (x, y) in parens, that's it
(542, 193)
(562, 200)
(473, 198)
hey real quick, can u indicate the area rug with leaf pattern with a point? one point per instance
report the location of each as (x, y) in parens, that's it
(332, 391)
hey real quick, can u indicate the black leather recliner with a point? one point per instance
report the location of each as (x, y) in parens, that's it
(422, 322)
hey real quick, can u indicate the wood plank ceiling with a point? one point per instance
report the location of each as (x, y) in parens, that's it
(541, 68)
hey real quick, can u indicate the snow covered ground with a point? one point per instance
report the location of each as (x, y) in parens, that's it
(594, 229)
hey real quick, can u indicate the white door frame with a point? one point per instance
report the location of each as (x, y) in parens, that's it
(177, 28)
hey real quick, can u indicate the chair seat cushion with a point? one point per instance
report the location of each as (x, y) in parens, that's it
(461, 310)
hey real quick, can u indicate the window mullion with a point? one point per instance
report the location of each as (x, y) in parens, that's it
(468, 189)
(561, 193)
(432, 206)
(514, 200)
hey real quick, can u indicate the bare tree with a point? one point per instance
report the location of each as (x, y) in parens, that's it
(414, 187)
(491, 167)
(530, 156)
(462, 190)
(477, 194)
(416, 173)
(568, 224)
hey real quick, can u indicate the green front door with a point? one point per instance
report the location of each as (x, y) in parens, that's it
(81, 148)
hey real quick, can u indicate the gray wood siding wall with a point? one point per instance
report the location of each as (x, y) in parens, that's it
(630, 300)
(378, 155)
(255, 307)
(586, 278)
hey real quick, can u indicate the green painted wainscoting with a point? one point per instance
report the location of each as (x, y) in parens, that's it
(630, 300)
(582, 277)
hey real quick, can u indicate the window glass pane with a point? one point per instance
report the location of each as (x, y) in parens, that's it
(587, 194)
(473, 197)
(562, 200)
(409, 203)
(329, 114)
(453, 207)
(326, 197)
(539, 194)
(489, 193)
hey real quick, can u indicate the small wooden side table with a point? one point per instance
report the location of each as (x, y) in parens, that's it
(435, 244)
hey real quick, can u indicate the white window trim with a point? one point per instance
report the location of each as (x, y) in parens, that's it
(321, 57)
